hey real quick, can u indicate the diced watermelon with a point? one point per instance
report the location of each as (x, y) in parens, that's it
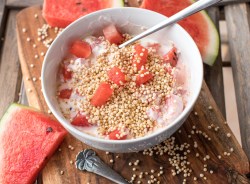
(140, 56)
(102, 94)
(115, 135)
(80, 49)
(143, 77)
(65, 93)
(155, 46)
(60, 13)
(171, 57)
(112, 34)
(67, 74)
(80, 120)
(28, 139)
(117, 76)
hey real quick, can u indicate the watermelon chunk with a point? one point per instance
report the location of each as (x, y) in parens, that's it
(28, 139)
(117, 76)
(199, 26)
(60, 13)
(101, 95)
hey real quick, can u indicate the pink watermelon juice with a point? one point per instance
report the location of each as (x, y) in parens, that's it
(123, 93)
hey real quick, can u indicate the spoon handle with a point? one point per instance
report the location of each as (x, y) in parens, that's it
(89, 161)
(196, 7)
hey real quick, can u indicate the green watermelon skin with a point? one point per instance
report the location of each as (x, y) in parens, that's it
(199, 26)
(27, 143)
(60, 13)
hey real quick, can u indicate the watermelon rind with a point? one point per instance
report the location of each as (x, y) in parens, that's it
(118, 3)
(213, 47)
(12, 109)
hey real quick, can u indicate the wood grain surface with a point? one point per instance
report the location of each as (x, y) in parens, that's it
(213, 74)
(10, 72)
(204, 122)
(236, 16)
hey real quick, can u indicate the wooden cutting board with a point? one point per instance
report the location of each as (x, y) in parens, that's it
(214, 155)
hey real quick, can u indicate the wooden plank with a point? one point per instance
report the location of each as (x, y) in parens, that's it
(228, 2)
(213, 75)
(22, 3)
(201, 118)
(10, 72)
(2, 18)
(238, 24)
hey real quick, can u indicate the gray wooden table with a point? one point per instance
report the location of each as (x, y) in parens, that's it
(235, 13)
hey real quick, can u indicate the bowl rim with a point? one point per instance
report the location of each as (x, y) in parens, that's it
(79, 133)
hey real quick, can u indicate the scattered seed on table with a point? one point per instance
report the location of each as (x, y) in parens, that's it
(231, 149)
(107, 152)
(36, 16)
(34, 79)
(61, 172)
(34, 45)
(210, 107)
(111, 160)
(29, 90)
(24, 30)
(71, 162)
(32, 65)
(36, 56)
(228, 135)
(211, 171)
(219, 157)
(195, 113)
(28, 39)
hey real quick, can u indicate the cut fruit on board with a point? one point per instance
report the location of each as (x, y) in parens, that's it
(199, 26)
(60, 13)
(28, 139)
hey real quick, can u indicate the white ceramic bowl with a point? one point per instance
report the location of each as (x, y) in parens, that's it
(128, 20)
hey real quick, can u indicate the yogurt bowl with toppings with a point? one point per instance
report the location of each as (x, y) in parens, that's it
(121, 100)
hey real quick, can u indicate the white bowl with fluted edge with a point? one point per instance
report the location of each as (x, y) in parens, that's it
(131, 21)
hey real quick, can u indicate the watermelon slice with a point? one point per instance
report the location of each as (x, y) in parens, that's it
(28, 138)
(199, 26)
(60, 13)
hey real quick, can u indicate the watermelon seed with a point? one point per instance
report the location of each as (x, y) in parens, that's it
(84, 9)
(49, 129)
(78, 3)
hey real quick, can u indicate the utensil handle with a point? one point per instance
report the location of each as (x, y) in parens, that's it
(87, 160)
(196, 7)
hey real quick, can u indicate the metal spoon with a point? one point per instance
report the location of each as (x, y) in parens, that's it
(196, 7)
(89, 161)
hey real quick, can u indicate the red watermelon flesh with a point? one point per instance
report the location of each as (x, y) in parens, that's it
(28, 139)
(199, 26)
(60, 13)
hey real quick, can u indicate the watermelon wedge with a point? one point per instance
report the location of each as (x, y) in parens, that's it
(199, 26)
(60, 13)
(28, 138)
